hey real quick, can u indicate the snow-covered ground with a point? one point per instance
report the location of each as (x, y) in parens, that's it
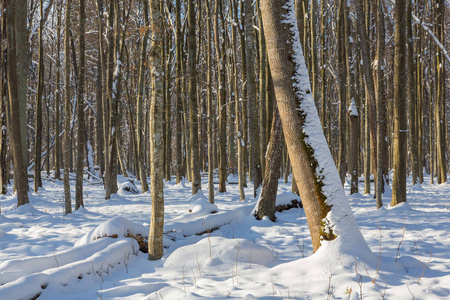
(43, 252)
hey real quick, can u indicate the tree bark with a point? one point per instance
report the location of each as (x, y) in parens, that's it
(40, 89)
(267, 200)
(400, 106)
(221, 95)
(210, 107)
(155, 239)
(342, 79)
(193, 106)
(58, 94)
(440, 95)
(4, 167)
(15, 101)
(67, 113)
(179, 101)
(354, 137)
(369, 83)
(80, 111)
(262, 92)
(255, 164)
(381, 106)
(140, 104)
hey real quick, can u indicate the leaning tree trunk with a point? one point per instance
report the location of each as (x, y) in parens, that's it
(267, 200)
(313, 166)
(155, 238)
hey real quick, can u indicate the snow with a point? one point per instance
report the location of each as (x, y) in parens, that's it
(43, 251)
(352, 109)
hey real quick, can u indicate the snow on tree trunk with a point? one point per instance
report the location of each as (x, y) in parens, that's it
(326, 207)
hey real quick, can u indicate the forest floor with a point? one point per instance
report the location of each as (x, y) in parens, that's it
(44, 252)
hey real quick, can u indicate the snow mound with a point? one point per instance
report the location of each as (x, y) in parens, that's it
(26, 209)
(200, 205)
(127, 188)
(417, 188)
(114, 227)
(98, 263)
(220, 252)
(286, 198)
(13, 269)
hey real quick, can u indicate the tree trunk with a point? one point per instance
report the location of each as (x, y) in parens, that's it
(67, 113)
(267, 200)
(193, 106)
(80, 107)
(140, 104)
(4, 167)
(342, 79)
(222, 101)
(369, 83)
(252, 101)
(21, 9)
(114, 87)
(381, 106)
(210, 107)
(412, 96)
(262, 92)
(40, 90)
(440, 95)
(316, 174)
(354, 137)
(178, 101)
(15, 101)
(400, 106)
(58, 94)
(155, 238)
(238, 106)
(244, 104)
